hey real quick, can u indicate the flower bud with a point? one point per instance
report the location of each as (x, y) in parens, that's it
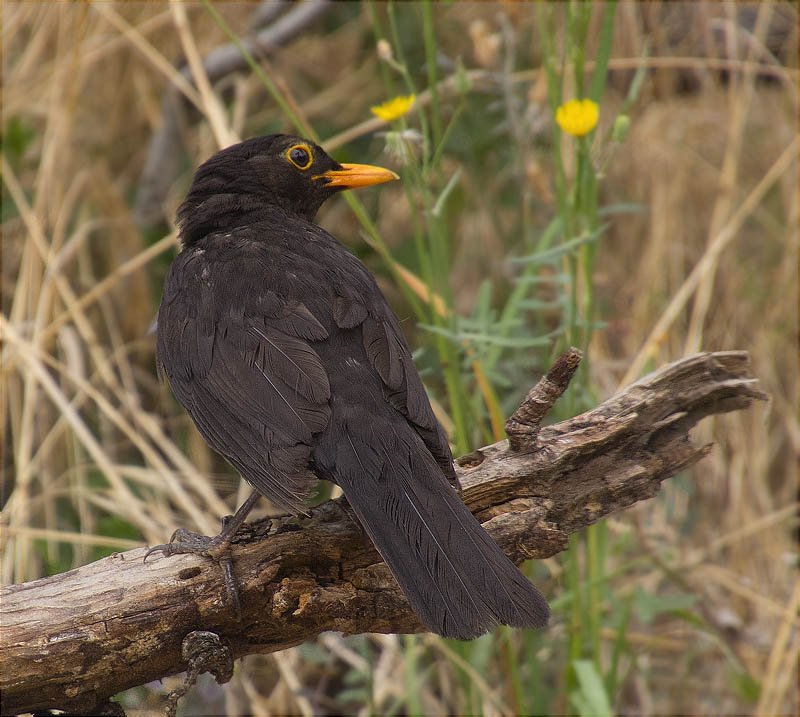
(384, 50)
(621, 126)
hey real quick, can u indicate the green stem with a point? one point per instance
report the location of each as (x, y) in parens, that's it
(423, 120)
(594, 570)
(386, 75)
(377, 243)
(429, 37)
(412, 686)
(573, 580)
(437, 154)
(600, 74)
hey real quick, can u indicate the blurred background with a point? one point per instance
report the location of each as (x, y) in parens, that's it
(670, 228)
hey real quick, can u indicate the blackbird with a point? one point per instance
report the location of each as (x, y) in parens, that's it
(280, 345)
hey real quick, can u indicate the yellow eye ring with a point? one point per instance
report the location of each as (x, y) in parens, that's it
(300, 156)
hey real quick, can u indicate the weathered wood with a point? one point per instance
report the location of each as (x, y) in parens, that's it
(72, 640)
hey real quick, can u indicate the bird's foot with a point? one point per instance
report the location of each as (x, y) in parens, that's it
(184, 541)
(218, 549)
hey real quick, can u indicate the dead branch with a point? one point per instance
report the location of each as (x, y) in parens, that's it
(71, 641)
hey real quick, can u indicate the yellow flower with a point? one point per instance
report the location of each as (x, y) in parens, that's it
(394, 108)
(577, 117)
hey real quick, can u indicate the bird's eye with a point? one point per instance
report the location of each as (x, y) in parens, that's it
(300, 156)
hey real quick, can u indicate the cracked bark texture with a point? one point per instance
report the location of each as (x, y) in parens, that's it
(70, 641)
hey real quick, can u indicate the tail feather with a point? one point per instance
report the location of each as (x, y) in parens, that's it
(455, 576)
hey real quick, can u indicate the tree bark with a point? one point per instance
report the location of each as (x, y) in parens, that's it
(70, 641)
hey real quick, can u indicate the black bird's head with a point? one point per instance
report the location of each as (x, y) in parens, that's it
(278, 170)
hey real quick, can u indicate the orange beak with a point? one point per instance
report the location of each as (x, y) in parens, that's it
(351, 176)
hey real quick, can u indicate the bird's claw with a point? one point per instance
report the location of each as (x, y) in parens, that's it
(218, 549)
(184, 542)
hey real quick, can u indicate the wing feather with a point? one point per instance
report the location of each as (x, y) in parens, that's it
(384, 352)
(296, 320)
(247, 373)
(348, 312)
(293, 361)
(390, 356)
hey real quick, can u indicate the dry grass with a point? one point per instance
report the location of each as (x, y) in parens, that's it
(97, 456)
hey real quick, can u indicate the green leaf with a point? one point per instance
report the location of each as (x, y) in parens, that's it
(590, 698)
(544, 257)
(17, 136)
(354, 694)
(638, 78)
(449, 187)
(537, 279)
(538, 305)
(622, 208)
(620, 643)
(490, 339)
(650, 606)
(462, 82)
(312, 653)
(746, 685)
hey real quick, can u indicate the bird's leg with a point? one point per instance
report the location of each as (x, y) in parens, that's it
(347, 509)
(217, 548)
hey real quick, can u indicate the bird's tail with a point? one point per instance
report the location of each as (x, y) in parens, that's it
(455, 576)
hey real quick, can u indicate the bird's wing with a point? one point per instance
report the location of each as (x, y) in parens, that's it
(389, 355)
(241, 362)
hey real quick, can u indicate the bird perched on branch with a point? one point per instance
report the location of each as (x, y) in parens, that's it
(281, 347)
